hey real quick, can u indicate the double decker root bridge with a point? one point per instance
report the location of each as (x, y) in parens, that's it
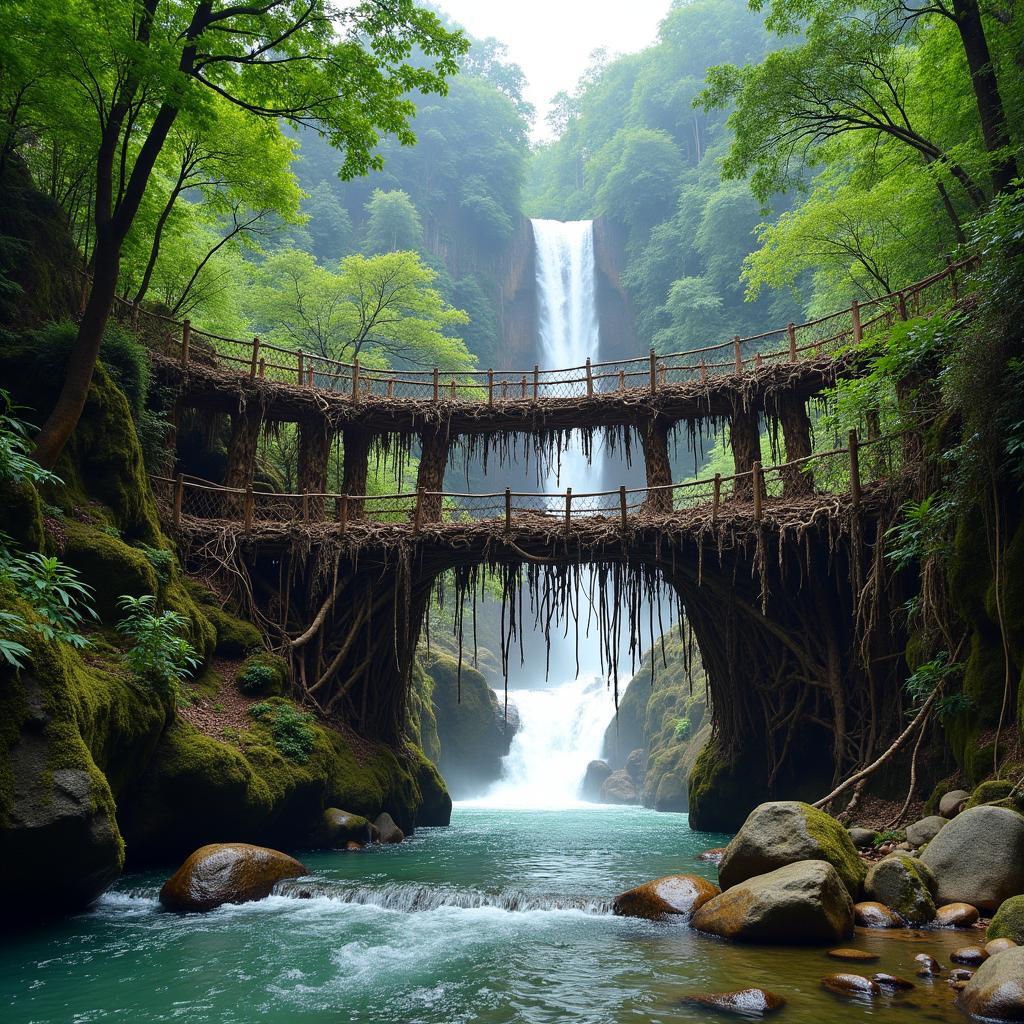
(778, 571)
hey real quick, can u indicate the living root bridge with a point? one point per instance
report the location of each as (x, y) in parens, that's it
(791, 618)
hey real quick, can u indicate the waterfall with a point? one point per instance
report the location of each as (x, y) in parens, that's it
(561, 726)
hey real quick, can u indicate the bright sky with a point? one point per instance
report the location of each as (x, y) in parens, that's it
(551, 40)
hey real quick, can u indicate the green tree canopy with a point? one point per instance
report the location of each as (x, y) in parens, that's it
(392, 222)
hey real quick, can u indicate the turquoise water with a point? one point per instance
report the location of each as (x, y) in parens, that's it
(500, 918)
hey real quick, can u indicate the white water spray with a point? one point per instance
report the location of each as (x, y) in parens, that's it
(561, 727)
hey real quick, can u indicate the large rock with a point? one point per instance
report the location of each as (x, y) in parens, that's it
(872, 914)
(226, 873)
(1008, 922)
(949, 805)
(925, 830)
(593, 780)
(387, 830)
(337, 828)
(786, 831)
(678, 895)
(905, 885)
(747, 1002)
(996, 992)
(978, 858)
(636, 766)
(618, 788)
(805, 902)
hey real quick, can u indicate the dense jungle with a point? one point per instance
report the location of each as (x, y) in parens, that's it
(484, 540)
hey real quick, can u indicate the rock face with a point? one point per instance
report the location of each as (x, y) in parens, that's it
(337, 828)
(978, 858)
(226, 873)
(949, 805)
(904, 885)
(925, 830)
(747, 1002)
(996, 992)
(1008, 922)
(593, 780)
(805, 902)
(674, 895)
(786, 831)
(618, 788)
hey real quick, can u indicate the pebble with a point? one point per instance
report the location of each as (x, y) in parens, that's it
(928, 966)
(970, 955)
(853, 954)
(956, 915)
(960, 974)
(852, 986)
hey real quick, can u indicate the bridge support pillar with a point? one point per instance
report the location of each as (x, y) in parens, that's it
(654, 434)
(356, 447)
(745, 438)
(434, 445)
(796, 432)
(314, 451)
(241, 464)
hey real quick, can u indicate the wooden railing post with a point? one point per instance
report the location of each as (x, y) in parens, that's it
(343, 512)
(654, 372)
(301, 365)
(508, 509)
(622, 380)
(247, 509)
(417, 516)
(437, 386)
(954, 292)
(757, 360)
(452, 392)
(703, 372)
(590, 379)
(490, 387)
(756, 475)
(179, 496)
(739, 353)
(305, 507)
(536, 382)
(854, 469)
(355, 379)
(391, 387)
(858, 331)
(568, 507)
(716, 499)
(523, 385)
(791, 334)
(901, 305)
(254, 365)
(263, 367)
(622, 504)
(186, 340)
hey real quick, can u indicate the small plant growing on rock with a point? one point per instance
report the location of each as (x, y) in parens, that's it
(159, 654)
(257, 678)
(11, 652)
(889, 835)
(162, 562)
(682, 728)
(290, 729)
(16, 463)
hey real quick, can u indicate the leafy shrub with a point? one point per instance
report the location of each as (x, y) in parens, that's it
(889, 835)
(263, 673)
(57, 596)
(11, 651)
(16, 464)
(159, 654)
(290, 729)
(682, 728)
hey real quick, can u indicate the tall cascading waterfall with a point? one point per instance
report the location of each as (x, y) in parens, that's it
(562, 725)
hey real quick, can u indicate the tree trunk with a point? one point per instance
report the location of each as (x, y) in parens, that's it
(433, 461)
(356, 448)
(745, 438)
(241, 465)
(314, 451)
(986, 91)
(796, 431)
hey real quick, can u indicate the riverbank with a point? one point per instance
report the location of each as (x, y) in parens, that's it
(503, 917)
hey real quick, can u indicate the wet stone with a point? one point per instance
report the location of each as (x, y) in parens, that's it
(892, 982)
(861, 955)
(871, 914)
(995, 946)
(956, 915)
(746, 1002)
(713, 856)
(960, 974)
(927, 965)
(852, 986)
(970, 955)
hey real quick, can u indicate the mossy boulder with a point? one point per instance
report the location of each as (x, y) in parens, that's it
(263, 674)
(337, 828)
(786, 831)
(235, 637)
(471, 726)
(801, 903)
(1008, 922)
(723, 789)
(227, 873)
(21, 515)
(997, 791)
(905, 885)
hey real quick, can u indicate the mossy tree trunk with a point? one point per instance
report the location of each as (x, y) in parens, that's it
(314, 452)
(654, 436)
(356, 446)
(796, 432)
(745, 438)
(434, 445)
(241, 463)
